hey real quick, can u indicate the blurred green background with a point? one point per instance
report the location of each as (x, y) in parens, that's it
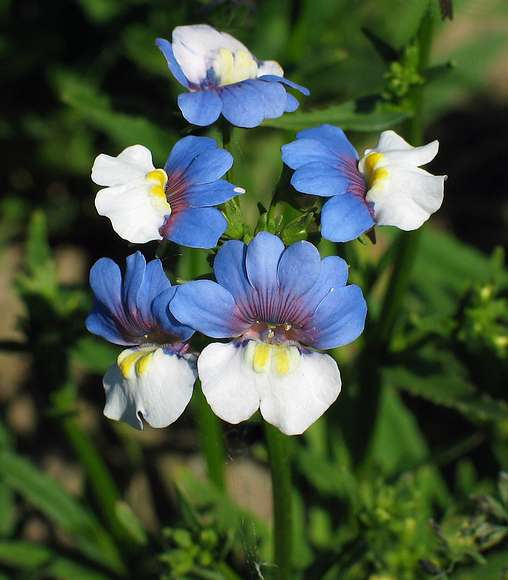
(81, 77)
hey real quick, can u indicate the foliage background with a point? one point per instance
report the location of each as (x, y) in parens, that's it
(81, 497)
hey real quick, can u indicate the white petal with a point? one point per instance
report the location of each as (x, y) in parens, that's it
(132, 163)
(135, 214)
(236, 382)
(270, 67)
(196, 46)
(407, 197)
(389, 140)
(228, 383)
(395, 150)
(158, 390)
(294, 401)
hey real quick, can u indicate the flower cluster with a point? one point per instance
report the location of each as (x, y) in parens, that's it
(278, 306)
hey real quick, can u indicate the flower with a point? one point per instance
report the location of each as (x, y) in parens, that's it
(222, 76)
(175, 203)
(278, 305)
(154, 377)
(386, 187)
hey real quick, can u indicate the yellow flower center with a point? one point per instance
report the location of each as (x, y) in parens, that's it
(277, 358)
(158, 180)
(373, 173)
(135, 362)
(234, 67)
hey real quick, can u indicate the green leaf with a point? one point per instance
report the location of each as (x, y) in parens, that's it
(7, 510)
(449, 391)
(64, 569)
(94, 355)
(130, 522)
(346, 115)
(44, 493)
(24, 555)
(121, 128)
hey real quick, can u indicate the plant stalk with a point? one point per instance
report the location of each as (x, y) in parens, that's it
(280, 465)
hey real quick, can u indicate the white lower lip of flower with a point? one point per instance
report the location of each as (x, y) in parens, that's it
(150, 383)
(402, 194)
(134, 199)
(238, 379)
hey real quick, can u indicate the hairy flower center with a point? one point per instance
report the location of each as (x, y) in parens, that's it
(234, 67)
(274, 333)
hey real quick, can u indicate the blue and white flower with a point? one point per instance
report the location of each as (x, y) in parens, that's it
(385, 187)
(222, 76)
(154, 377)
(279, 305)
(174, 203)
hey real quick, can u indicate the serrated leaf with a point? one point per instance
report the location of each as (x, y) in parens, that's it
(346, 115)
(43, 492)
(448, 391)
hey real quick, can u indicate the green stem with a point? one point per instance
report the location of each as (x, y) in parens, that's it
(207, 424)
(280, 464)
(211, 439)
(379, 337)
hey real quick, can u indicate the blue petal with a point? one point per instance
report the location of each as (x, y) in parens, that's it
(272, 96)
(100, 323)
(333, 274)
(291, 103)
(167, 50)
(164, 317)
(207, 307)
(242, 105)
(208, 194)
(186, 150)
(298, 269)
(209, 166)
(333, 138)
(106, 283)
(275, 79)
(134, 274)
(230, 272)
(318, 178)
(345, 217)
(261, 261)
(339, 319)
(154, 283)
(197, 227)
(201, 107)
(305, 151)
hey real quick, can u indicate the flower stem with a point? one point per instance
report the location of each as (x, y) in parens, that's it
(211, 439)
(280, 464)
(379, 335)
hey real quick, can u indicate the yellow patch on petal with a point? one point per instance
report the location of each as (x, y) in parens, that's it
(373, 173)
(136, 362)
(276, 358)
(159, 179)
(234, 67)
(262, 356)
